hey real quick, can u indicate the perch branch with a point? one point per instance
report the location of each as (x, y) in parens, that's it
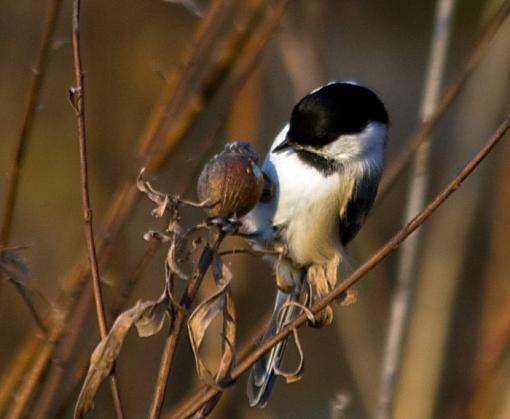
(78, 100)
(207, 393)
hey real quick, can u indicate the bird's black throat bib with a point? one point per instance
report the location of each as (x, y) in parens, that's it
(324, 165)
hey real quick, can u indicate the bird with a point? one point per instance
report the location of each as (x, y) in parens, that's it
(324, 169)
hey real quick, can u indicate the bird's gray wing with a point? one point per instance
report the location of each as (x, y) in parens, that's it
(353, 216)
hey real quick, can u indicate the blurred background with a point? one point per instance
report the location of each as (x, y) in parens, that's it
(455, 357)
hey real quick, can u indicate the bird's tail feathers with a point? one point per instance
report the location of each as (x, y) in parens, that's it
(262, 375)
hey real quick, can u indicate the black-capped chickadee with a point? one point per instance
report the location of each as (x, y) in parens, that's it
(325, 167)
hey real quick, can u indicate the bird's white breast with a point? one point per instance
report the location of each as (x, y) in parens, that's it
(306, 205)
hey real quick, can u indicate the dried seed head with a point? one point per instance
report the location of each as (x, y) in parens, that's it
(243, 148)
(231, 181)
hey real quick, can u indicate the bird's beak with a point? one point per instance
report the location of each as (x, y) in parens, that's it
(284, 145)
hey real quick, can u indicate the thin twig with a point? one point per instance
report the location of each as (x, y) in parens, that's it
(178, 323)
(208, 393)
(13, 270)
(451, 92)
(417, 189)
(36, 82)
(27, 297)
(78, 100)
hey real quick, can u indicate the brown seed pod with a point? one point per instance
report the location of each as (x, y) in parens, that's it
(231, 181)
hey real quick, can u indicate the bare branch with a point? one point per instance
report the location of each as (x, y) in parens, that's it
(205, 394)
(177, 326)
(78, 99)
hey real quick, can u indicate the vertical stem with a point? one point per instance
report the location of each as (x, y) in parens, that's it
(400, 309)
(78, 99)
(176, 328)
(38, 72)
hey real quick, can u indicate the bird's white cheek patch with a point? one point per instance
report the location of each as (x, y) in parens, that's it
(367, 144)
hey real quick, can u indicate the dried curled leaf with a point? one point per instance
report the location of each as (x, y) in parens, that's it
(350, 297)
(297, 374)
(152, 318)
(220, 302)
(156, 235)
(177, 252)
(284, 282)
(148, 317)
(321, 280)
(302, 307)
(164, 202)
(160, 199)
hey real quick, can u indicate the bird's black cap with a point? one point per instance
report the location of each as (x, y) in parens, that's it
(332, 110)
